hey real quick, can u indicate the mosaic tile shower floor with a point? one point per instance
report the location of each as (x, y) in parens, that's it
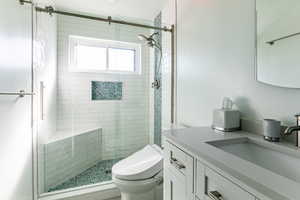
(98, 173)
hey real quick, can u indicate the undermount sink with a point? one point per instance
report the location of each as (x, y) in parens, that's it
(278, 159)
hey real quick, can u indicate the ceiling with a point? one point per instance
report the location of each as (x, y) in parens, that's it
(137, 9)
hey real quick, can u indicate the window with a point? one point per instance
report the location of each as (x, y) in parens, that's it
(120, 59)
(97, 55)
(89, 57)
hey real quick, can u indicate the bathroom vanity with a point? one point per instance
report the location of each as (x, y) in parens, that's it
(201, 164)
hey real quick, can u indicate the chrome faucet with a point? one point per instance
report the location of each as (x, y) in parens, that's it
(294, 129)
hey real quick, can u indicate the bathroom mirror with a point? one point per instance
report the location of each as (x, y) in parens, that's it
(278, 42)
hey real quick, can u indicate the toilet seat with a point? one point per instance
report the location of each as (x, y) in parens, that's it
(139, 185)
(142, 165)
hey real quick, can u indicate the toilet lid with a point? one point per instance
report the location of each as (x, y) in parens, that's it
(141, 165)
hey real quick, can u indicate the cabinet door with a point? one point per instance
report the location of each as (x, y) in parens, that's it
(174, 187)
(178, 174)
(200, 181)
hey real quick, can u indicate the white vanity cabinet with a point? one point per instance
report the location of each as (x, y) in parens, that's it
(186, 178)
(178, 174)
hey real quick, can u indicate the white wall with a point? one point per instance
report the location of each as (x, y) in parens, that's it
(216, 58)
(125, 123)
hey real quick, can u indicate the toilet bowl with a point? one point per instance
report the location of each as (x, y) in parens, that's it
(139, 176)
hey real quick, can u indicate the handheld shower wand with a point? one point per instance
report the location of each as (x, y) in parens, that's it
(151, 42)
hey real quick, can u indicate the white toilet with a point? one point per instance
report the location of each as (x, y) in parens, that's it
(139, 176)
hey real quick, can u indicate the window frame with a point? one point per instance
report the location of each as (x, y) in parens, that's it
(75, 40)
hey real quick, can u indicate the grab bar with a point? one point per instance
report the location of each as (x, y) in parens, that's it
(21, 93)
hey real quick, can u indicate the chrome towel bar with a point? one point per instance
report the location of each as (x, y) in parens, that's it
(21, 93)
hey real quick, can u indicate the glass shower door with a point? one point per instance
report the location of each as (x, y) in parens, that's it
(15, 111)
(96, 104)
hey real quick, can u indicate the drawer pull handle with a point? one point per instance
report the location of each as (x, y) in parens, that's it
(177, 164)
(215, 195)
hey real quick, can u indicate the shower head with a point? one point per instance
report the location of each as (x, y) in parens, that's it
(150, 41)
(143, 37)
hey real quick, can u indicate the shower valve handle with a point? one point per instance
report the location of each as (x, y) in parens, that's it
(156, 84)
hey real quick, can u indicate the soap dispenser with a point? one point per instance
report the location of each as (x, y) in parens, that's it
(226, 119)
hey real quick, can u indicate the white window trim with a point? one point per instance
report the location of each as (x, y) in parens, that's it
(95, 42)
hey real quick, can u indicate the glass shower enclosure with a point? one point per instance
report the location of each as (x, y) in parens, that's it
(94, 102)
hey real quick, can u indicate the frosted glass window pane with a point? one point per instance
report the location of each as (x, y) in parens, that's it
(121, 59)
(90, 57)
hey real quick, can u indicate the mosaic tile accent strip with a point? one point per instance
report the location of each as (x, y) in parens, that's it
(100, 172)
(107, 90)
(158, 92)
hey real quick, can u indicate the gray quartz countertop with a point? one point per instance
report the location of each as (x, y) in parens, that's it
(261, 182)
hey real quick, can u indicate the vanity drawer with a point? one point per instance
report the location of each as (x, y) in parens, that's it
(218, 187)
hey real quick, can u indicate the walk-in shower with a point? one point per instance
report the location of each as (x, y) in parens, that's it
(94, 104)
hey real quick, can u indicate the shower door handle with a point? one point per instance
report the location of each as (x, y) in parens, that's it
(42, 88)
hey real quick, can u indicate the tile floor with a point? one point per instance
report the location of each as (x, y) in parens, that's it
(98, 173)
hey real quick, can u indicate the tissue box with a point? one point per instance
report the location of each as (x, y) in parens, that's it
(226, 120)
